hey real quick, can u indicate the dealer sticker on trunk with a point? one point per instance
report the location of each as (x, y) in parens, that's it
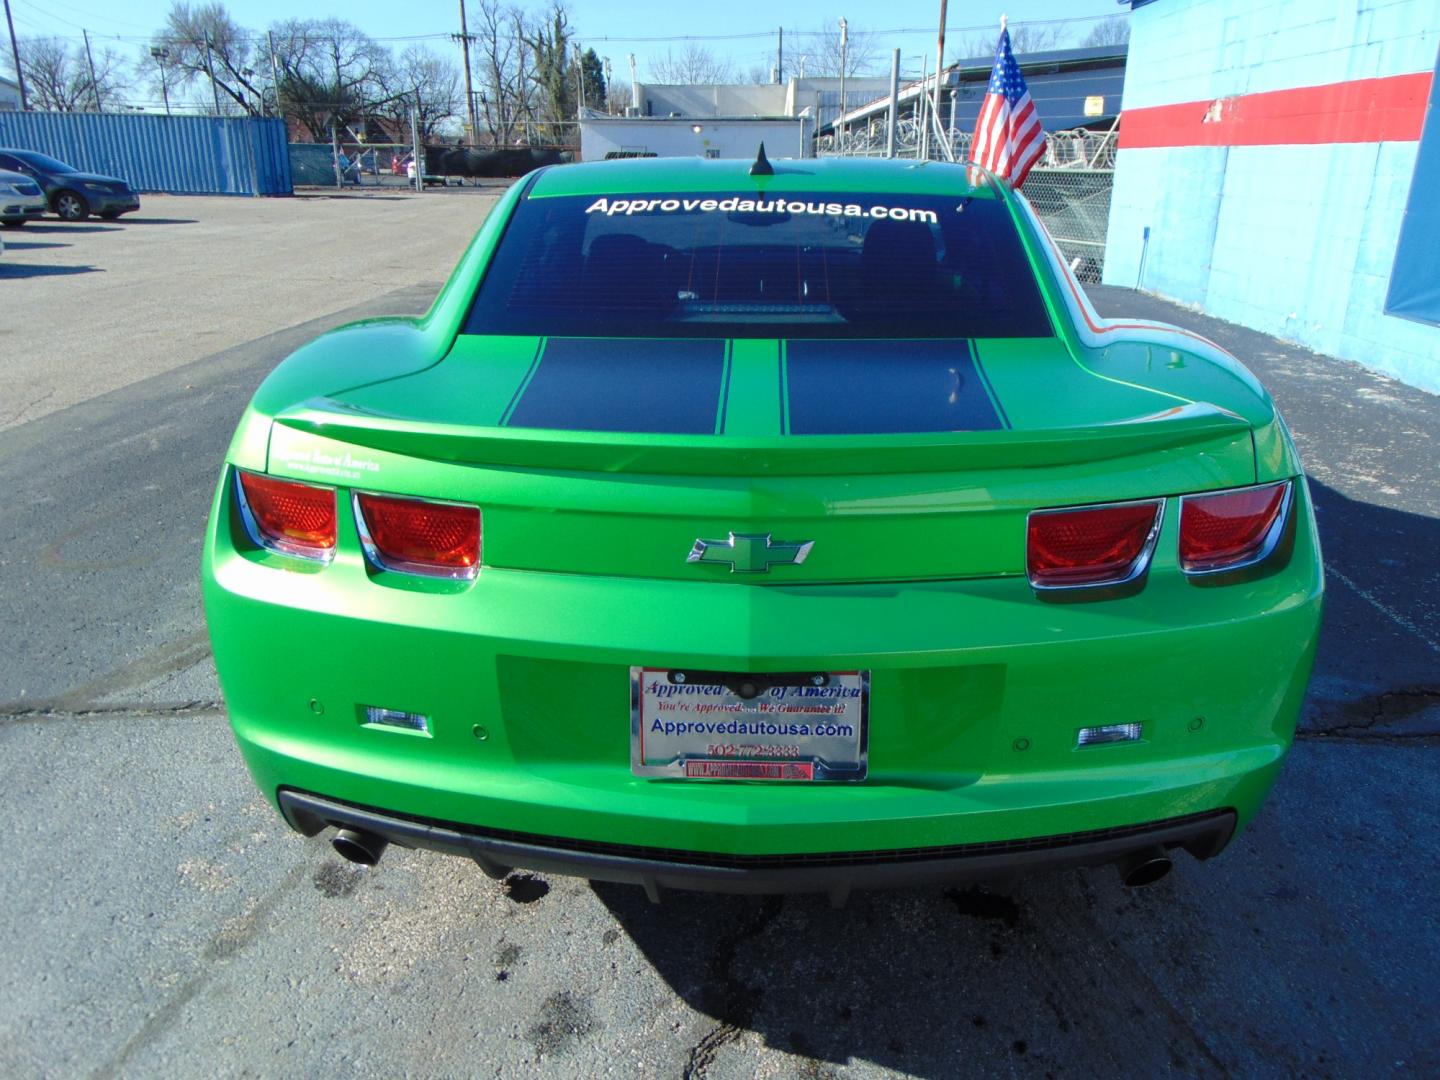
(711, 725)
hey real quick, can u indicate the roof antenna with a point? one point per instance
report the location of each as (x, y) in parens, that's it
(762, 166)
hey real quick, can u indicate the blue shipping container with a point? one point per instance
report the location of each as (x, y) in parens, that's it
(180, 155)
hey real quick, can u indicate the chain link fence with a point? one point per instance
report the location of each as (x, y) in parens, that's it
(1075, 206)
(1069, 187)
(373, 165)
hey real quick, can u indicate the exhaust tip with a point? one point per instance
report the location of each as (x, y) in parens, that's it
(359, 847)
(1142, 868)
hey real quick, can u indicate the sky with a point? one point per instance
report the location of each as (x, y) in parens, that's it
(612, 29)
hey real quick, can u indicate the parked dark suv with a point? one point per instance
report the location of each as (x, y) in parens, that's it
(72, 194)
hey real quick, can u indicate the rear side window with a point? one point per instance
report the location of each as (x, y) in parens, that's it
(45, 163)
(723, 265)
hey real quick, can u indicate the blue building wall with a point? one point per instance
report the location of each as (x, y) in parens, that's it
(1294, 240)
(192, 155)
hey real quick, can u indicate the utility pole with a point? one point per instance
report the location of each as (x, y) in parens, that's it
(779, 54)
(274, 72)
(464, 37)
(417, 152)
(90, 61)
(939, 69)
(210, 71)
(15, 52)
(894, 104)
(922, 122)
(840, 119)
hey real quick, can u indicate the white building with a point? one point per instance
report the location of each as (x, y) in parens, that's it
(9, 94)
(603, 137)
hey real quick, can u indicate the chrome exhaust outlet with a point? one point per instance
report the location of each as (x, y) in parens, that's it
(359, 847)
(1145, 867)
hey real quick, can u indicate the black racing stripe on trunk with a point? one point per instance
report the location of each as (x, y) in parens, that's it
(886, 388)
(624, 384)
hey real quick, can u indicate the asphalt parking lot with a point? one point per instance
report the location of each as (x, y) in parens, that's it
(157, 919)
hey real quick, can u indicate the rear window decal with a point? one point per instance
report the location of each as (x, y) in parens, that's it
(736, 204)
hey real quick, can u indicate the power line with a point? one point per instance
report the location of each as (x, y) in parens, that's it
(258, 38)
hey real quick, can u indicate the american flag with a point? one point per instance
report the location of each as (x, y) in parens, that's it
(1009, 138)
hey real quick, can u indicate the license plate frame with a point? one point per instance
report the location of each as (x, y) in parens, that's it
(807, 727)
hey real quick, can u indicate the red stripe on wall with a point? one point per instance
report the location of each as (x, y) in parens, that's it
(1364, 110)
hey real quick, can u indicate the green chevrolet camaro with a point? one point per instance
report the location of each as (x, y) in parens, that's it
(764, 528)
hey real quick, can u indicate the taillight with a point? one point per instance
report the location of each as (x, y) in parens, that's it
(420, 536)
(1231, 529)
(287, 516)
(1091, 545)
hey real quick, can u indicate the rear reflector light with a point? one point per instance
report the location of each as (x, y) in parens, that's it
(1231, 529)
(419, 536)
(287, 516)
(1091, 545)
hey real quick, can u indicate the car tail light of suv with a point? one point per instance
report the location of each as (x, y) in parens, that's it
(1089, 546)
(419, 536)
(288, 516)
(1230, 530)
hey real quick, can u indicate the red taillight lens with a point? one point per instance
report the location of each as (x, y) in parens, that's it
(1231, 529)
(290, 517)
(1091, 545)
(419, 536)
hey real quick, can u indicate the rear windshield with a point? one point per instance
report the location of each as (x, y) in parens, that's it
(736, 266)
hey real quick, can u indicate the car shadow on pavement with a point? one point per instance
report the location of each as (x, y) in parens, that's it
(47, 228)
(931, 983)
(25, 245)
(23, 270)
(1378, 665)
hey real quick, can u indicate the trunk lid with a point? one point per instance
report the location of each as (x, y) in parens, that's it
(804, 442)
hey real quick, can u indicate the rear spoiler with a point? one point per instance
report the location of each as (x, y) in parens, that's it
(1189, 426)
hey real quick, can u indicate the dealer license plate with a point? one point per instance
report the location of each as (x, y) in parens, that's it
(710, 725)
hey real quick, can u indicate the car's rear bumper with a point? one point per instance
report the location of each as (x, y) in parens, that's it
(977, 689)
(1203, 835)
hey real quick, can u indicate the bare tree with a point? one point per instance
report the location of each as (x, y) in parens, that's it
(823, 52)
(506, 88)
(694, 64)
(759, 74)
(331, 73)
(1112, 31)
(58, 77)
(204, 42)
(1030, 38)
(1024, 38)
(426, 81)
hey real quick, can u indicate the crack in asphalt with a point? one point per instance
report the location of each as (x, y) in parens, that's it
(738, 1003)
(16, 416)
(137, 711)
(1384, 707)
(216, 953)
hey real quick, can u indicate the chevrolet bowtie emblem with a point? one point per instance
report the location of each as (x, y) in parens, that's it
(748, 553)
